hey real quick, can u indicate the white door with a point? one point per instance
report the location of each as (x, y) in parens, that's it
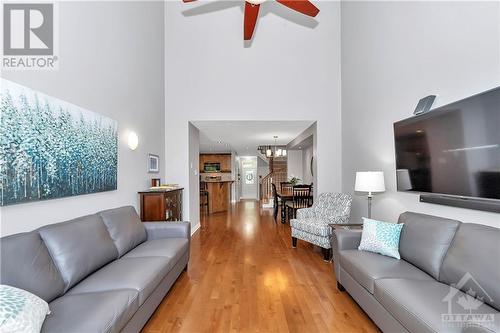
(250, 182)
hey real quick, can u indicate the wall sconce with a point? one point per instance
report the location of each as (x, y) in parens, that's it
(133, 141)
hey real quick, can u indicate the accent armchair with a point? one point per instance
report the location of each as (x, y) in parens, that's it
(312, 224)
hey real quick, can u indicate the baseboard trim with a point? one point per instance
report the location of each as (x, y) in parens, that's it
(195, 229)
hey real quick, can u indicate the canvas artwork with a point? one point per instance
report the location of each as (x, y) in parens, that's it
(51, 149)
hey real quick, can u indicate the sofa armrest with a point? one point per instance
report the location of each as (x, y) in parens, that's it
(160, 230)
(344, 239)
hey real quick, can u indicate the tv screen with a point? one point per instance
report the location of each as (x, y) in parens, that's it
(454, 149)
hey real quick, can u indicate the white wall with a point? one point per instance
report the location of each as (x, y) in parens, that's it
(235, 194)
(290, 72)
(307, 153)
(194, 177)
(294, 164)
(111, 62)
(307, 141)
(393, 54)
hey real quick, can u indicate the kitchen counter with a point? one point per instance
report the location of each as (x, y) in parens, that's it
(218, 181)
(219, 195)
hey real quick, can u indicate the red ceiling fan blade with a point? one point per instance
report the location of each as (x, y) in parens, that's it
(302, 6)
(186, 1)
(251, 14)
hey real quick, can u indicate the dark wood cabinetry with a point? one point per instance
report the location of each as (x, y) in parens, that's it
(158, 205)
(223, 159)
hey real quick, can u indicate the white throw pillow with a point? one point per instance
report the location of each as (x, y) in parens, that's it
(21, 311)
(381, 237)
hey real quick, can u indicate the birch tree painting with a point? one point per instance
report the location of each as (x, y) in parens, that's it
(52, 149)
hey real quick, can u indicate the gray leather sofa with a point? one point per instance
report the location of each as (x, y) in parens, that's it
(105, 272)
(441, 260)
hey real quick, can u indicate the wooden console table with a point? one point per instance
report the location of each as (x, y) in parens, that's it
(161, 205)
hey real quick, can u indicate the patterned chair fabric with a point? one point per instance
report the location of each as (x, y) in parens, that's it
(311, 224)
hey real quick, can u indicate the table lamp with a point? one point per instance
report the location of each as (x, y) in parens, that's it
(371, 182)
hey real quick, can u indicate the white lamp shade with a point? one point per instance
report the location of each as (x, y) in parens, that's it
(369, 181)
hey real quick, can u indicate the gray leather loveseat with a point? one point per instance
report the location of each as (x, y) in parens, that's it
(425, 291)
(105, 272)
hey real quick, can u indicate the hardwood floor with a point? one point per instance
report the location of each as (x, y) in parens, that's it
(244, 276)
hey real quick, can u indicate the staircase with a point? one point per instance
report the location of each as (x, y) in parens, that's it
(266, 191)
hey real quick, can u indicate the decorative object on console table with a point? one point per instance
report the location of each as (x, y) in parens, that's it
(371, 182)
(161, 204)
(153, 163)
(155, 182)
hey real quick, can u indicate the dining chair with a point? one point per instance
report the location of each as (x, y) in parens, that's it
(302, 198)
(275, 202)
(286, 186)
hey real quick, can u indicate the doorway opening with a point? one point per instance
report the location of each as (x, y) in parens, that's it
(241, 160)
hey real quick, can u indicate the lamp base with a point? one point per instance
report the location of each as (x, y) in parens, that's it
(370, 206)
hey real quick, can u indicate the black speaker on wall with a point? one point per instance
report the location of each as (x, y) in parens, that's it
(424, 105)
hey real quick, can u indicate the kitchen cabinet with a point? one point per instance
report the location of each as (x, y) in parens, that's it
(223, 159)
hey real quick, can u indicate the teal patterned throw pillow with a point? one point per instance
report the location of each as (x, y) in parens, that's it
(381, 237)
(21, 311)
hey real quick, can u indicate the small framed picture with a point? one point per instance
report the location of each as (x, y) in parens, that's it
(153, 163)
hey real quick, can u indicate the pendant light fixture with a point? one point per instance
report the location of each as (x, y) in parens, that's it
(269, 152)
(278, 152)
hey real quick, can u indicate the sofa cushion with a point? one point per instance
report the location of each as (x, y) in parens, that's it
(124, 227)
(79, 247)
(425, 240)
(170, 247)
(367, 267)
(472, 262)
(141, 274)
(25, 263)
(313, 226)
(101, 312)
(428, 306)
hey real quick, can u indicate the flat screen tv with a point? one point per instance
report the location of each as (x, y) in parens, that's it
(452, 150)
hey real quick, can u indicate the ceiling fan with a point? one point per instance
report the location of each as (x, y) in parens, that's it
(252, 12)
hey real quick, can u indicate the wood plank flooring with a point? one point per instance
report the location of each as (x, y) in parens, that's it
(244, 276)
